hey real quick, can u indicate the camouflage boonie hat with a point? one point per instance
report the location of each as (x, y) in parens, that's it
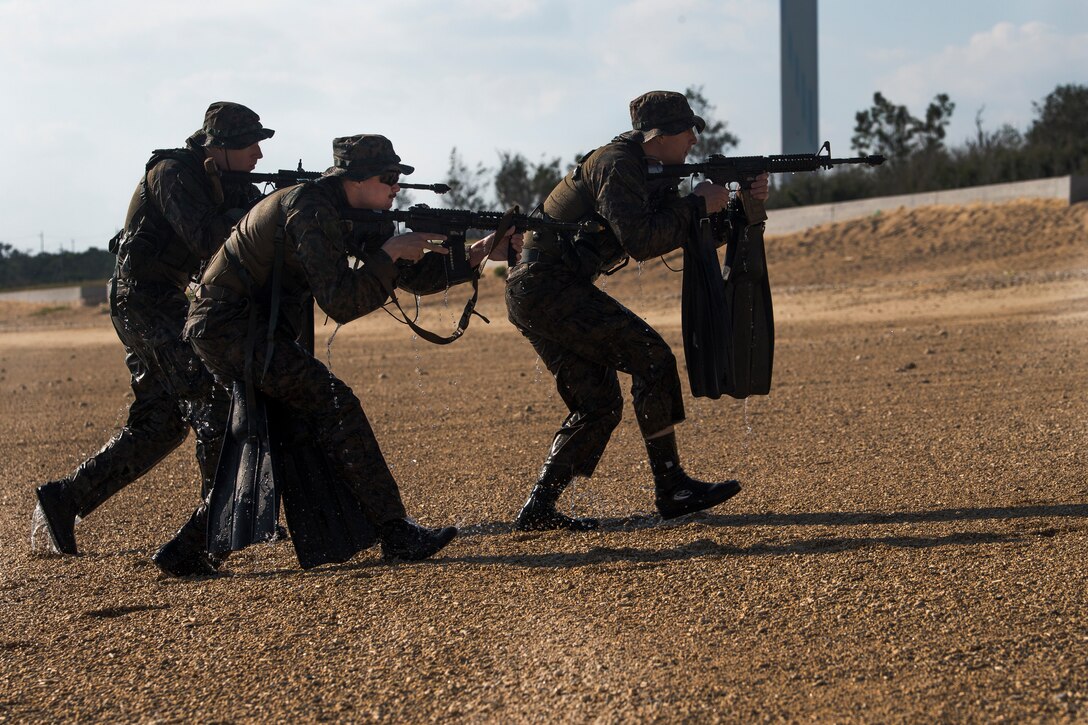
(663, 113)
(231, 126)
(364, 155)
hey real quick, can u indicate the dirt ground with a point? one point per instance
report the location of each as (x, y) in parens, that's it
(911, 543)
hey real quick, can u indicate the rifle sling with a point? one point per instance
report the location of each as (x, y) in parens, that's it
(462, 324)
(251, 341)
(274, 303)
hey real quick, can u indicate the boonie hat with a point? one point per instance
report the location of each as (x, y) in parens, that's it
(663, 113)
(364, 155)
(231, 126)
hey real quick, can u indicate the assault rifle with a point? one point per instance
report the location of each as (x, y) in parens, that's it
(744, 169)
(289, 177)
(455, 223)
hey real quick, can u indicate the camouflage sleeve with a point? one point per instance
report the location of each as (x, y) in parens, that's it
(186, 202)
(645, 228)
(319, 239)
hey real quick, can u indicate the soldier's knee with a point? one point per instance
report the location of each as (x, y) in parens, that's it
(660, 352)
(660, 361)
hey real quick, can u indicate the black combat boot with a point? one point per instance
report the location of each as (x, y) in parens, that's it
(676, 492)
(186, 554)
(408, 541)
(539, 513)
(121, 461)
(58, 514)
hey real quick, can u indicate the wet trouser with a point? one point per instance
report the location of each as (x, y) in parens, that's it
(173, 393)
(300, 382)
(584, 337)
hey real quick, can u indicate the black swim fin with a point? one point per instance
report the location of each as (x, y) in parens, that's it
(727, 316)
(750, 312)
(704, 322)
(243, 506)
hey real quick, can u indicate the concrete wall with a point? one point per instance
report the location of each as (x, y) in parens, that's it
(786, 221)
(90, 294)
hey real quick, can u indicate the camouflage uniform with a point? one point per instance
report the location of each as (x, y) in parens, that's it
(318, 246)
(583, 335)
(177, 219)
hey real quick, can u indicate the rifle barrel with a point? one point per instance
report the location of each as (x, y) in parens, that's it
(436, 188)
(290, 177)
(462, 219)
(743, 166)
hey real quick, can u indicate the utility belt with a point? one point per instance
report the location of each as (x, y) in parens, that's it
(578, 254)
(529, 256)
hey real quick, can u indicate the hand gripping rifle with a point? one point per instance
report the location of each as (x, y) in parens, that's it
(289, 177)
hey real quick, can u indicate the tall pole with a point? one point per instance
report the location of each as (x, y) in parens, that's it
(800, 77)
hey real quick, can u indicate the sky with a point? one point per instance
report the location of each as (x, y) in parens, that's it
(89, 89)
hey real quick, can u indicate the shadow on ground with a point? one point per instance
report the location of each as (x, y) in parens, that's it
(704, 548)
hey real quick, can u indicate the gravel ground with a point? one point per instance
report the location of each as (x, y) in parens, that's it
(910, 545)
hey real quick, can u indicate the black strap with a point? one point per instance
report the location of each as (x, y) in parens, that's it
(274, 304)
(251, 392)
(250, 344)
(462, 324)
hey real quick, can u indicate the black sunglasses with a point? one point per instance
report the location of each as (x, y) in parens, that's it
(389, 178)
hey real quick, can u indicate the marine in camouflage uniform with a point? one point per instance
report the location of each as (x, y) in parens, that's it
(178, 217)
(317, 245)
(585, 337)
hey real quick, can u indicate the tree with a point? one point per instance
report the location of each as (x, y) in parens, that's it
(466, 185)
(714, 139)
(1061, 116)
(1057, 138)
(990, 157)
(883, 129)
(890, 130)
(930, 132)
(546, 175)
(520, 182)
